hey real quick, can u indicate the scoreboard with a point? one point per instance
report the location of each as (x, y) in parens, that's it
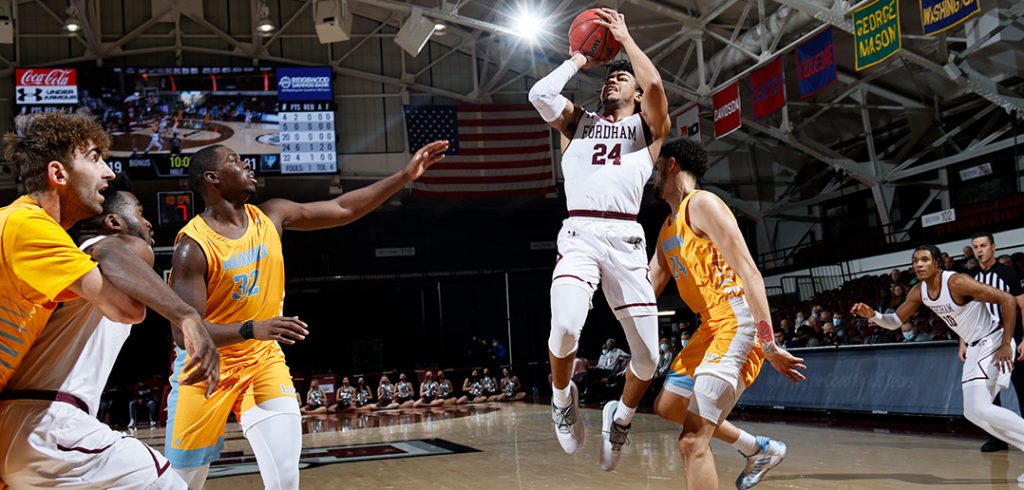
(175, 208)
(307, 137)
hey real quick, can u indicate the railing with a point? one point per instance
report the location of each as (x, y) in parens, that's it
(995, 215)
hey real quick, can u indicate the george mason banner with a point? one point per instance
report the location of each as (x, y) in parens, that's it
(939, 15)
(876, 32)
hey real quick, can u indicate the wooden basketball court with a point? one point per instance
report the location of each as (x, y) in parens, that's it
(511, 446)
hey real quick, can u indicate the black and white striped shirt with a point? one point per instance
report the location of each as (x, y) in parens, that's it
(1003, 278)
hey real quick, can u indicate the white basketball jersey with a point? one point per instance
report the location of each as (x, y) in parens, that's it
(607, 164)
(74, 353)
(971, 321)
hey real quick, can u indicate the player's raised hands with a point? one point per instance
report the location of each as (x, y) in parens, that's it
(785, 363)
(203, 358)
(616, 24)
(862, 310)
(283, 329)
(425, 157)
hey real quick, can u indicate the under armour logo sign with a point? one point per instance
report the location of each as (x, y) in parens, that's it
(27, 94)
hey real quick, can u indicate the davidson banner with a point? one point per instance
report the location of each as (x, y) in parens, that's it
(726, 103)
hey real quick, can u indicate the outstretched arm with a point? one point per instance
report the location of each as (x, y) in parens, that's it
(127, 262)
(709, 215)
(654, 103)
(891, 321)
(189, 282)
(350, 206)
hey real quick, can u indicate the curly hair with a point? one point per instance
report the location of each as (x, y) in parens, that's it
(42, 138)
(689, 155)
(626, 66)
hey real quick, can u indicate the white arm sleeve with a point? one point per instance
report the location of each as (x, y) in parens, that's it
(889, 321)
(546, 94)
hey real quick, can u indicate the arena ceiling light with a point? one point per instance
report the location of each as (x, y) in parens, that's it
(71, 23)
(528, 24)
(264, 25)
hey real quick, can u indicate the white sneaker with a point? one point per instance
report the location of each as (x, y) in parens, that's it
(771, 454)
(613, 436)
(568, 426)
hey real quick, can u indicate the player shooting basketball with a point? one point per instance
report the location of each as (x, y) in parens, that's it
(607, 159)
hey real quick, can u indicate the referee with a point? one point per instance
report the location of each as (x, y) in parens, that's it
(1004, 278)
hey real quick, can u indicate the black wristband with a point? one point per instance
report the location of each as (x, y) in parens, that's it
(246, 330)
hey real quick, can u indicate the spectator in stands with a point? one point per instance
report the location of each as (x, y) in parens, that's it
(971, 265)
(363, 396)
(445, 390)
(787, 329)
(315, 399)
(490, 386)
(579, 372)
(684, 337)
(895, 275)
(344, 395)
(780, 339)
(968, 253)
(665, 358)
(824, 317)
(911, 333)
(880, 336)
(814, 323)
(801, 318)
(143, 399)
(473, 389)
(610, 355)
(499, 354)
(853, 331)
(616, 378)
(404, 392)
(949, 264)
(386, 394)
(828, 334)
(1006, 260)
(898, 297)
(837, 322)
(429, 392)
(511, 388)
(805, 337)
(1018, 263)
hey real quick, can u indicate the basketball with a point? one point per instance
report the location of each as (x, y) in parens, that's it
(593, 40)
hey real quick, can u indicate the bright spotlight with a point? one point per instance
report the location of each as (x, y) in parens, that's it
(71, 23)
(528, 24)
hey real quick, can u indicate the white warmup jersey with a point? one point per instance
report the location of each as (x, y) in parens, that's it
(53, 444)
(972, 321)
(607, 164)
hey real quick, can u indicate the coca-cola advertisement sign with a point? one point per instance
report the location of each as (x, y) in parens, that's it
(45, 86)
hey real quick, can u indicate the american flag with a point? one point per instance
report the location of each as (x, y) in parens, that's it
(495, 150)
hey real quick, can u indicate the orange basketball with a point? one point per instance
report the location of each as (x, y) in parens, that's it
(593, 40)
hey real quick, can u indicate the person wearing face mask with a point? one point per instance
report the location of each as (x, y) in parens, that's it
(840, 327)
(609, 355)
(664, 359)
(912, 334)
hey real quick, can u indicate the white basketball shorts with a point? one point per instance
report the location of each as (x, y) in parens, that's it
(612, 253)
(56, 445)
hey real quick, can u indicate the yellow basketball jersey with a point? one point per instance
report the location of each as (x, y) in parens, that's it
(244, 279)
(703, 277)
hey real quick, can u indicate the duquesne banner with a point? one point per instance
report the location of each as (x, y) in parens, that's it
(939, 15)
(726, 103)
(816, 63)
(768, 88)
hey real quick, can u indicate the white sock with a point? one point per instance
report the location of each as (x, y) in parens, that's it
(746, 444)
(561, 397)
(623, 414)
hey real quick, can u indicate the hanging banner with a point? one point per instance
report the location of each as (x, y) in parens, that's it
(688, 123)
(876, 32)
(726, 103)
(816, 63)
(768, 88)
(939, 15)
